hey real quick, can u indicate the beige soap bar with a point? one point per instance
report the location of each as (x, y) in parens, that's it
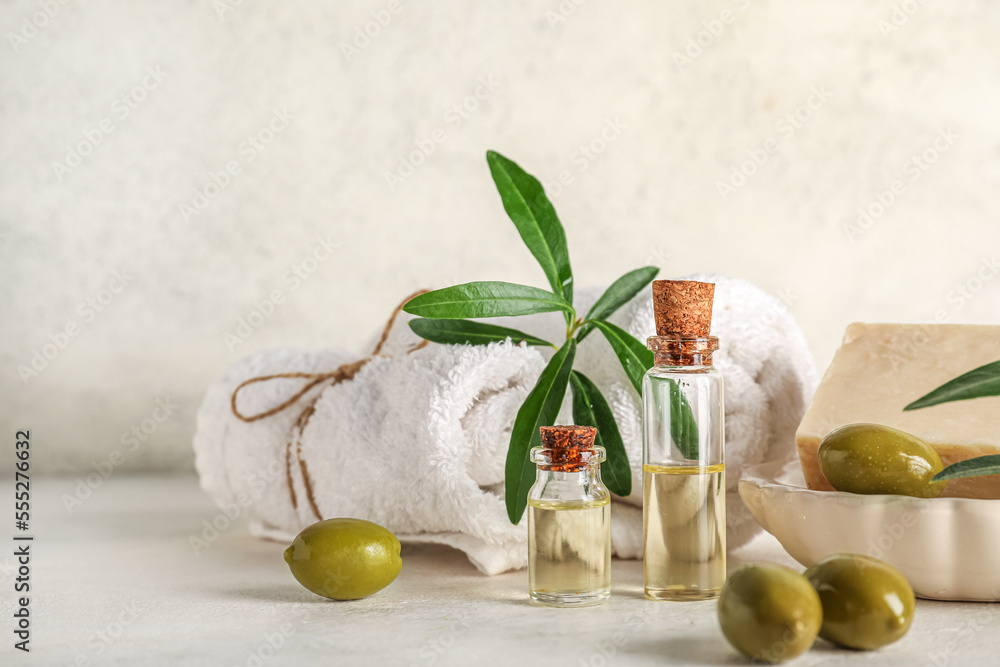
(880, 368)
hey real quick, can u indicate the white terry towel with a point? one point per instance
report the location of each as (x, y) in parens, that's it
(417, 442)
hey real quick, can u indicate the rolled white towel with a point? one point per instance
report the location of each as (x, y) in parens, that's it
(417, 442)
(244, 464)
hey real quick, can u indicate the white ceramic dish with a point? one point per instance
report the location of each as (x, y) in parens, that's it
(948, 548)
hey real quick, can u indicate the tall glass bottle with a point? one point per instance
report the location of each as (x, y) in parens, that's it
(569, 520)
(683, 458)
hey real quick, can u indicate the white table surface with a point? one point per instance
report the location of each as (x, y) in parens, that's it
(116, 582)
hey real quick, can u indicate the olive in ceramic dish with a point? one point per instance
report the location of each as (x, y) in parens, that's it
(873, 459)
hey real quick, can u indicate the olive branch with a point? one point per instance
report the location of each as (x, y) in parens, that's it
(446, 316)
(977, 383)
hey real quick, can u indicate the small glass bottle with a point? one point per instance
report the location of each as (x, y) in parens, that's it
(683, 460)
(569, 520)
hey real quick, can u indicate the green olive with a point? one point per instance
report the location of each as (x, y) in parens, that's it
(867, 603)
(870, 458)
(769, 612)
(344, 559)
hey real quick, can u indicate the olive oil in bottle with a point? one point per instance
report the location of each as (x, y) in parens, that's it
(568, 550)
(569, 520)
(684, 525)
(683, 478)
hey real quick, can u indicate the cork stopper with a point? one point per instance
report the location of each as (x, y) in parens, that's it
(566, 437)
(567, 448)
(683, 307)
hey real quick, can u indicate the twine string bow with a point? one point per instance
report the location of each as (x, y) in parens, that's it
(340, 374)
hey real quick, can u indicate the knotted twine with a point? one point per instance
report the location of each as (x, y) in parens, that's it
(336, 376)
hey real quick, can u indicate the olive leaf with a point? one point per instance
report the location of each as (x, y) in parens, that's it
(977, 383)
(485, 299)
(975, 467)
(618, 294)
(632, 354)
(540, 408)
(534, 216)
(636, 360)
(591, 409)
(468, 332)
(683, 427)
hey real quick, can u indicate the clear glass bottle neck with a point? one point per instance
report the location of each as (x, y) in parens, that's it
(682, 351)
(683, 412)
(588, 475)
(558, 480)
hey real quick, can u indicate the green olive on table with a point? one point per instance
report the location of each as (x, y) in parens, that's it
(867, 603)
(769, 612)
(871, 458)
(344, 559)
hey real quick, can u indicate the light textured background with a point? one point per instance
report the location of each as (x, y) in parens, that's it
(650, 196)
